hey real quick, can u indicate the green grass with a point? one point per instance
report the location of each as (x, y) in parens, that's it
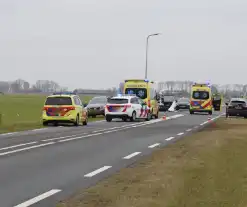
(23, 112)
(206, 169)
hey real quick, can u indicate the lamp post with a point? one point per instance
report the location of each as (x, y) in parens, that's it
(146, 69)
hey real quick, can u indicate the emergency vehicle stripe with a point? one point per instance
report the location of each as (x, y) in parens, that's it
(207, 104)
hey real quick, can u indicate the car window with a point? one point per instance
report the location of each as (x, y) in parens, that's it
(134, 100)
(77, 101)
(168, 98)
(98, 100)
(140, 92)
(237, 102)
(183, 100)
(118, 101)
(200, 95)
(58, 101)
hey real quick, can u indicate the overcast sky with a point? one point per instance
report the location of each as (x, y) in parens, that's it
(98, 43)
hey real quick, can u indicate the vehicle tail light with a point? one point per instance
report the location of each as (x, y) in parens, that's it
(45, 108)
(70, 108)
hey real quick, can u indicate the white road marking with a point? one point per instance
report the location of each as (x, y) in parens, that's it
(34, 130)
(19, 145)
(195, 126)
(75, 138)
(26, 148)
(91, 174)
(188, 130)
(39, 198)
(203, 123)
(170, 138)
(181, 133)
(57, 138)
(131, 155)
(154, 145)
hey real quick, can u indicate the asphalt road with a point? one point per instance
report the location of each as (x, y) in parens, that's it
(41, 167)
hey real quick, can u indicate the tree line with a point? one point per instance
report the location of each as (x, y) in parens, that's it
(47, 86)
(22, 86)
(228, 90)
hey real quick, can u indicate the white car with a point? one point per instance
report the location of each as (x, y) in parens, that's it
(127, 107)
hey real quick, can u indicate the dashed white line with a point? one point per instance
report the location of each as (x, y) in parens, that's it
(154, 145)
(170, 138)
(131, 155)
(91, 174)
(39, 198)
(19, 145)
(195, 127)
(188, 130)
(181, 133)
(26, 148)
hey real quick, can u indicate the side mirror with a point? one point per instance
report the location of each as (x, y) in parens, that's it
(85, 105)
(226, 104)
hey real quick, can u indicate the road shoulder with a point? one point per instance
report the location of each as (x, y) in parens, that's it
(206, 169)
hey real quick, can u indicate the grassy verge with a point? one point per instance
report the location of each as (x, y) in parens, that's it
(23, 112)
(207, 169)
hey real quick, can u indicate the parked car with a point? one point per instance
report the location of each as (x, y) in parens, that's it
(96, 106)
(183, 103)
(237, 107)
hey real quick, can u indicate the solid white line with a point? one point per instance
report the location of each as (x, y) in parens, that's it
(91, 174)
(39, 198)
(27, 148)
(75, 138)
(131, 155)
(181, 133)
(154, 145)
(188, 130)
(19, 145)
(170, 138)
(51, 139)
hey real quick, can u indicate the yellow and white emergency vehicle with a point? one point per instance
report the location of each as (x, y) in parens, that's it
(146, 90)
(201, 98)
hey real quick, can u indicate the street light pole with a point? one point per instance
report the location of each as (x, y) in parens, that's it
(146, 69)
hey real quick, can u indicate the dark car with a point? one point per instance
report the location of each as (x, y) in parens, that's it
(237, 107)
(96, 106)
(183, 103)
(166, 102)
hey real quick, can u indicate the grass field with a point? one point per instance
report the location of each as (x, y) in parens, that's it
(206, 169)
(22, 112)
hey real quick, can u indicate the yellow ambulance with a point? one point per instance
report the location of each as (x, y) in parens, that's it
(201, 98)
(144, 89)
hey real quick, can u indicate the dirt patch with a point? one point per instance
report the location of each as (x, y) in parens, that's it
(208, 168)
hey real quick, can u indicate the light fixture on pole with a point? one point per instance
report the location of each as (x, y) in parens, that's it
(146, 69)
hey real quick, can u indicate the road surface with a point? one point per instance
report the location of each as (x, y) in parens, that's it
(41, 167)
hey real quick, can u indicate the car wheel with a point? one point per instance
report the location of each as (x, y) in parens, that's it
(191, 112)
(94, 116)
(133, 117)
(108, 118)
(77, 121)
(149, 116)
(45, 123)
(85, 122)
(210, 112)
(227, 115)
(245, 117)
(124, 119)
